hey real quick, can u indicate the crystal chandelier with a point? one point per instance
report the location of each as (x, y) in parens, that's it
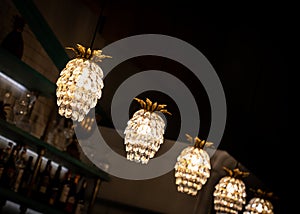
(192, 168)
(230, 192)
(260, 204)
(145, 131)
(80, 83)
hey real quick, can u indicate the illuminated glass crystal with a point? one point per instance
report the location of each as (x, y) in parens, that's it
(258, 206)
(192, 168)
(80, 84)
(144, 132)
(230, 194)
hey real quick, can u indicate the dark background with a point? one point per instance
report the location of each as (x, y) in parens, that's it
(250, 46)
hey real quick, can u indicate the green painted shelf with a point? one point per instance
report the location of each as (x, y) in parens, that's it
(22, 73)
(16, 134)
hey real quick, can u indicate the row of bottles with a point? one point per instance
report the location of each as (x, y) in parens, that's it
(16, 108)
(20, 107)
(22, 173)
(60, 133)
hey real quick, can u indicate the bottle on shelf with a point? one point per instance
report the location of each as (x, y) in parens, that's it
(7, 151)
(59, 136)
(80, 203)
(2, 200)
(65, 189)
(51, 132)
(8, 103)
(9, 170)
(55, 187)
(2, 162)
(72, 148)
(36, 169)
(2, 112)
(28, 189)
(20, 168)
(27, 176)
(6, 168)
(44, 181)
(4, 155)
(71, 199)
(22, 110)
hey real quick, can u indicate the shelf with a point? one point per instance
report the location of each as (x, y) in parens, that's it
(15, 197)
(16, 134)
(16, 69)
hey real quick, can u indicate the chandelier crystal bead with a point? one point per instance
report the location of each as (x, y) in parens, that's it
(260, 204)
(80, 83)
(144, 132)
(192, 168)
(230, 192)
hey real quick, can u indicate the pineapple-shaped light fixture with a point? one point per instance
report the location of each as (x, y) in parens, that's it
(230, 192)
(144, 132)
(192, 168)
(80, 83)
(260, 203)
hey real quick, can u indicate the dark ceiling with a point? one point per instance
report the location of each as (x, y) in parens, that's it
(248, 46)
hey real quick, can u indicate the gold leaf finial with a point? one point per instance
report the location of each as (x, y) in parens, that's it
(198, 143)
(150, 106)
(98, 56)
(236, 172)
(87, 53)
(189, 138)
(263, 194)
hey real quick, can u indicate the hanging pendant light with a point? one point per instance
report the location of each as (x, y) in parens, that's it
(230, 192)
(145, 131)
(80, 83)
(192, 168)
(260, 204)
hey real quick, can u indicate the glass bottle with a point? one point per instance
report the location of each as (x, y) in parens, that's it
(36, 169)
(80, 198)
(20, 168)
(59, 137)
(55, 186)
(2, 163)
(22, 110)
(44, 181)
(65, 189)
(8, 151)
(70, 203)
(25, 183)
(5, 153)
(8, 102)
(27, 175)
(72, 148)
(52, 131)
(10, 169)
